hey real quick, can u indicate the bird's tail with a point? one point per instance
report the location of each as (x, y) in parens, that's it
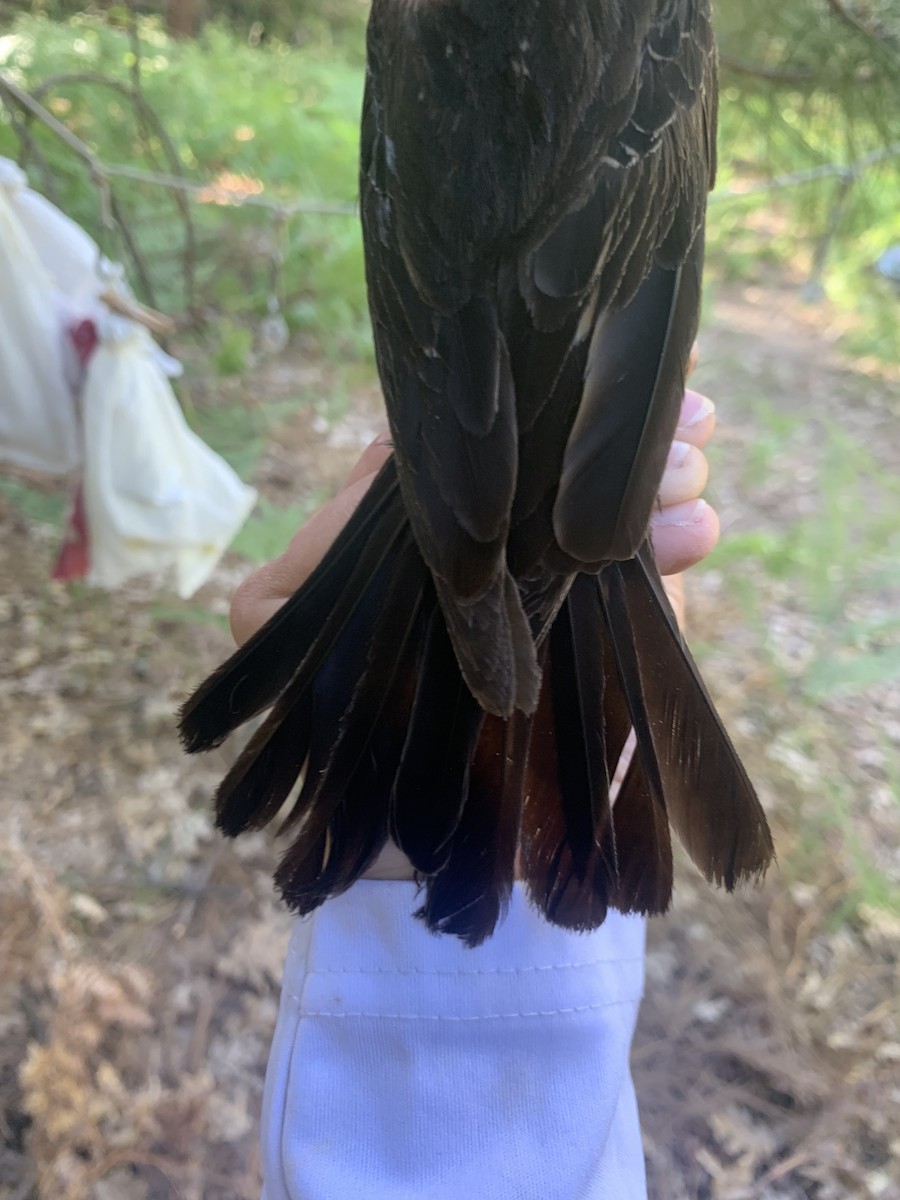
(618, 662)
(369, 712)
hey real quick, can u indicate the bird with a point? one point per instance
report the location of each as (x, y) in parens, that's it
(461, 672)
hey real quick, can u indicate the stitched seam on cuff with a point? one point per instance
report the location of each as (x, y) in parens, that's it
(576, 966)
(508, 1016)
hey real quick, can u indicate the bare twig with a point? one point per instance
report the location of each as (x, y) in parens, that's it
(134, 38)
(850, 171)
(843, 189)
(770, 74)
(156, 322)
(844, 14)
(149, 120)
(12, 91)
(19, 121)
(25, 106)
(118, 218)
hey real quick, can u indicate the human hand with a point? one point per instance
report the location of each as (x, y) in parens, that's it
(264, 591)
(685, 529)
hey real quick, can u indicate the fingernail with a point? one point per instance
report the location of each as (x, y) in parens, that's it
(688, 513)
(678, 452)
(696, 408)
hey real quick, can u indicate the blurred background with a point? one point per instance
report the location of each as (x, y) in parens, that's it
(212, 149)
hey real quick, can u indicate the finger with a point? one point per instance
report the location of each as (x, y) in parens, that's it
(372, 459)
(693, 359)
(683, 535)
(261, 594)
(674, 585)
(697, 420)
(685, 475)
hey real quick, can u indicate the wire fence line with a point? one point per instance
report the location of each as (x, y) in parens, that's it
(842, 171)
(200, 190)
(235, 192)
(25, 107)
(286, 209)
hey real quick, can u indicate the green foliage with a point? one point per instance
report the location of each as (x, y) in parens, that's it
(857, 672)
(239, 432)
(801, 89)
(830, 573)
(847, 548)
(233, 352)
(808, 84)
(279, 121)
(268, 531)
(821, 64)
(35, 504)
(185, 612)
(295, 21)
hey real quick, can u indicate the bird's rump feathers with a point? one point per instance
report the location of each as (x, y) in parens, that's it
(462, 670)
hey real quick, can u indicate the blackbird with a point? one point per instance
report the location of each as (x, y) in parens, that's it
(462, 670)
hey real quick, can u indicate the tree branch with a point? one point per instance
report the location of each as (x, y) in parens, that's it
(770, 74)
(871, 32)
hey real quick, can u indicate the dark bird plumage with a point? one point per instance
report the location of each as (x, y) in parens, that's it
(462, 670)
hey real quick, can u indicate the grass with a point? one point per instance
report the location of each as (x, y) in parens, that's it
(36, 505)
(848, 548)
(240, 431)
(268, 531)
(831, 576)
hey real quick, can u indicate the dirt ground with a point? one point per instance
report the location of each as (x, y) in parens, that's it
(141, 953)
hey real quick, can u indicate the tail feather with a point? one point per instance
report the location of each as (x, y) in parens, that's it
(329, 858)
(691, 767)
(372, 710)
(494, 646)
(576, 665)
(256, 674)
(391, 613)
(261, 779)
(617, 725)
(470, 894)
(432, 782)
(300, 730)
(571, 887)
(570, 846)
(344, 808)
(643, 845)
